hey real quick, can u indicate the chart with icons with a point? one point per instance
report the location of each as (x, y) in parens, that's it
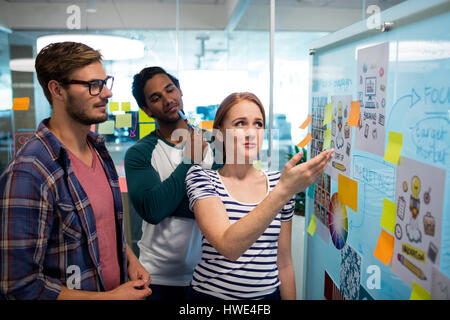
(419, 197)
(338, 222)
(322, 188)
(372, 83)
(318, 109)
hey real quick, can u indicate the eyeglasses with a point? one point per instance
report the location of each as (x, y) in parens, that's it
(95, 86)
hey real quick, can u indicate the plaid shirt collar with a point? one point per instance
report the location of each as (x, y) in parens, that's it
(56, 149)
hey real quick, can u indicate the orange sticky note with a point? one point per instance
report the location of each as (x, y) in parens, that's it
(123, 184)
(305, 141)
(207, 125)
(21, 103)
(306, 122)
(385, 247)
(353, 118)
(348, 192)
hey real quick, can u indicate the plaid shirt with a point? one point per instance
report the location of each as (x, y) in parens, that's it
(47, 225)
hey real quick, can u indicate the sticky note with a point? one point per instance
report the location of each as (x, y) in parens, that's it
(113, 106)
(388, 215)
(257, 164)
(395, 142)
(145, 129)
(126, 106)
(106, 127)
(312, 225)
(348, 192)
(326, 139)
(143, 117)
(306, 122)
(123, 120)
(419, 293)
(123, 184)
(385, 247)
(328, 114)
(311, 191)
(353, 118)
(206, 125)
(305, 141)
(21, 103)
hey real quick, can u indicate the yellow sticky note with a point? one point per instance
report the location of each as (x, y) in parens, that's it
(123, 120)
(305, 141)
(312, 225)
(419, 293)
(106, 127)
(143, 117)
(207, 125)
(395, 142)
(353, 118)
(306, 122)
(388, 215)
(113, 106)
(21, 103)
(126, 106)
(145, 129)
(385, 247)
(326, 139)
(348, 192)
(328, 114)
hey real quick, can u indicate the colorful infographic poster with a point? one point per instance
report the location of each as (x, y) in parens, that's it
(341, 137)
(318, 109)
(419, 196)
(372, 80)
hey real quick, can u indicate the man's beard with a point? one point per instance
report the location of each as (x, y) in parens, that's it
(77, 113)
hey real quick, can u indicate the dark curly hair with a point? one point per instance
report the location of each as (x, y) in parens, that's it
(140, 79)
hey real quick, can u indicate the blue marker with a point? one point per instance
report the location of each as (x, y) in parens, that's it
(183, 116)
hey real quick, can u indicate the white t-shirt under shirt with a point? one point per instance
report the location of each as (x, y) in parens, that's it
(255, 273)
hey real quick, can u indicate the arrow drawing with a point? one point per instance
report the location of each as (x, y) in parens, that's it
(133, 132)
(413, 99)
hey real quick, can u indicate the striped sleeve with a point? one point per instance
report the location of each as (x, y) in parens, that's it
(198, 185)
(288, 210)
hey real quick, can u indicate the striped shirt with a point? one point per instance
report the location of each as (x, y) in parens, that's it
(255, 273)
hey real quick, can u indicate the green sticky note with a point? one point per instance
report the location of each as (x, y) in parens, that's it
(126, 106)
(312, 225)
(388, 215)
(395, 142)
(143, 117)
(106, 127)
(113, 106)
(257, 164)
(145, 129)
(327, 139)
(123, 120)
(419, 293)
(328, 114)
(311, 191)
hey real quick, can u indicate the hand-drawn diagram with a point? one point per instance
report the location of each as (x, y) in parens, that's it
(419, 197)
(372, 81)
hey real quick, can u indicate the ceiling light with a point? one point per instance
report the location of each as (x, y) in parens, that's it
(22, 65)
(111, 47)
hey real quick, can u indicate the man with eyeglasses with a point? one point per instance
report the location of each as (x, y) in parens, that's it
(61, 216)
